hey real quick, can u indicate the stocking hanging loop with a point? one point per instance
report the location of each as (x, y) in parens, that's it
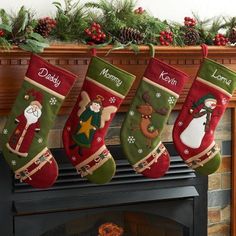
(152, 49)
(93, 50)
(204, 50)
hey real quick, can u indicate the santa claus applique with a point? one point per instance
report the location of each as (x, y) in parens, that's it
(27, 124)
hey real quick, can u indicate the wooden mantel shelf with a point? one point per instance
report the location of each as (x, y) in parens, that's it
(75, 58)
(75, 49)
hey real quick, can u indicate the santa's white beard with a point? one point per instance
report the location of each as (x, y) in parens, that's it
(30, 116)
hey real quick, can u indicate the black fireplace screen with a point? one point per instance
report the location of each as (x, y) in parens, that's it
(177, 202)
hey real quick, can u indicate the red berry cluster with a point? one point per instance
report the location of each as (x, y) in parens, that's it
(1, 33)
(220, 40)
(190, 22)
(95, 33)
(166, 38)
(139, 10)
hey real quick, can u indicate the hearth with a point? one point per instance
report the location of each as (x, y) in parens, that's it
(176, 202)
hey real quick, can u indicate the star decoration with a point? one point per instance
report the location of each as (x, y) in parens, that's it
(86, 127)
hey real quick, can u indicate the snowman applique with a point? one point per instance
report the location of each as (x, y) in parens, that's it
(193, 134)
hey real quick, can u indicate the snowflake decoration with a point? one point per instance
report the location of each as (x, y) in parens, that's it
(40, 140)
(68, 128)
(131, 139)
(224, 101)
(99, 139)
(112, 99)
(151, 128)
(211, 132)
(186, 151)
(73, 158)
(158, 95)
(53, 101)
(140, 150)
(5, 131)
(171, 100)
(180, 123)
(131, 113)
(13, 162)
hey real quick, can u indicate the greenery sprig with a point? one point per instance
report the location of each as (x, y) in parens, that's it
(117, 22)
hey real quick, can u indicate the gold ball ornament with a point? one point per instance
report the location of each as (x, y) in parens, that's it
(26, 97)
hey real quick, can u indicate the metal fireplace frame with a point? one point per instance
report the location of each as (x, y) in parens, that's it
(25, 211)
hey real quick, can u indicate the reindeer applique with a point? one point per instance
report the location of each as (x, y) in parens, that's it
(145, 126)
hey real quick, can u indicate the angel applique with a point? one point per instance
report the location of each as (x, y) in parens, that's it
(92, 116)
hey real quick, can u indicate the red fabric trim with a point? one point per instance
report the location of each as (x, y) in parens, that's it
(165, 75)
(50, 76)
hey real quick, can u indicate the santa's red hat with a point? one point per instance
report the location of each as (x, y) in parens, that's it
(38, 98)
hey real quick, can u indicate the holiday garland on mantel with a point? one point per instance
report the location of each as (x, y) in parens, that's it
(119, 23)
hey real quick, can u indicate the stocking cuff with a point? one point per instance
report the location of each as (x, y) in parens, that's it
(165, 75)
(218, 76)
(49, 77)
(110, 76)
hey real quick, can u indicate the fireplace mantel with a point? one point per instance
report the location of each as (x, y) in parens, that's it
(75, 58)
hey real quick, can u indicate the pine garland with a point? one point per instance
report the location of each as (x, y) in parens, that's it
(117, 22)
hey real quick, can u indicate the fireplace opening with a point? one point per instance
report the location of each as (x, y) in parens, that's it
(123, 223)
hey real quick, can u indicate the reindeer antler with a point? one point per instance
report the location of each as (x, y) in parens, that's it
(146, 97)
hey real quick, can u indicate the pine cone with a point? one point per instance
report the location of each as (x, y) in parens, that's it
(232, 35)
(191, 36)
(45, 26)
(131, 35)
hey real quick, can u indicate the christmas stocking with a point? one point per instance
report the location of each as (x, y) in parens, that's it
(193, 132)
(24, 136)
(103, 90)
(148, 113)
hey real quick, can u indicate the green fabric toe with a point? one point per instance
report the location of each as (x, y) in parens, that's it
(104, 173)
(211, 166)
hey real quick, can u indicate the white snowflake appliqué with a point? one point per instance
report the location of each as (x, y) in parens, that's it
(40, 140)
(224, 101)
(99, 139)
(73, 158)
(131, 113)
(131, 139)
(140, 150)
(158, 95)
(186, 151)
(112, 99)
(180, 123)
(171, 100)
(5, 131)
(13, 162)
(53, 101)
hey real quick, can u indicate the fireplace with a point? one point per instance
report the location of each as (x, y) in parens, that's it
(177, 202)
